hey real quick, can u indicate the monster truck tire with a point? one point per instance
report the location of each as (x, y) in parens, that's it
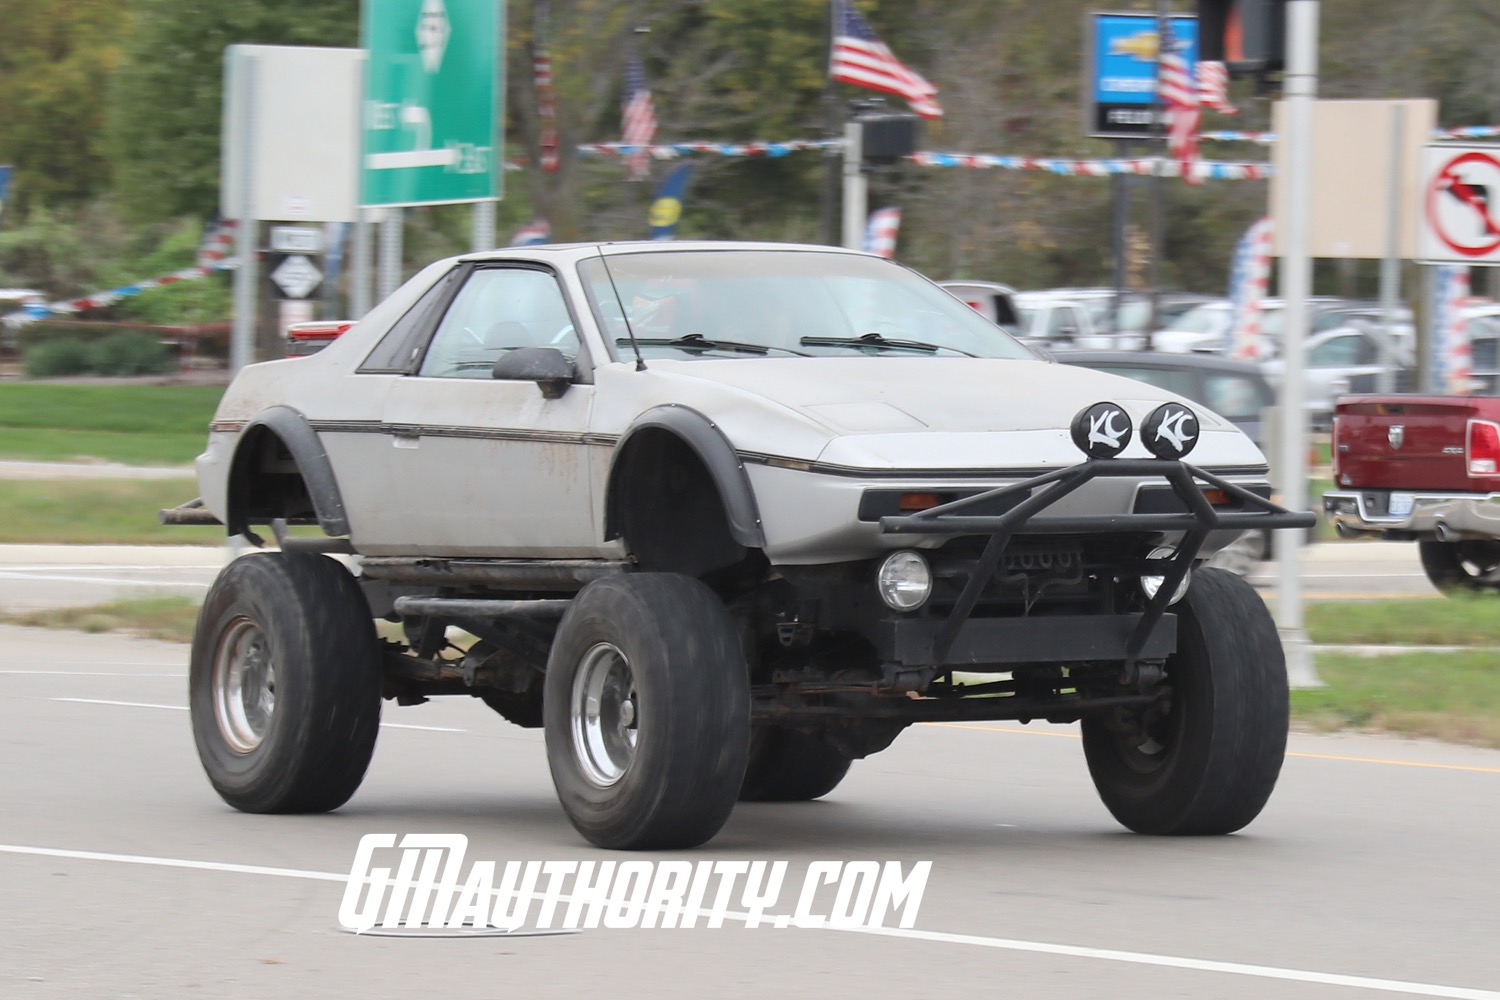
(284, 684)
(1210, 762)
(788, 766)
(1459, 566)
(647, 712)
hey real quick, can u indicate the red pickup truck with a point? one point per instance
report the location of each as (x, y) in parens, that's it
(1423, 469)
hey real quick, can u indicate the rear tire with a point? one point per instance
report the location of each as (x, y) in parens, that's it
(1209, 764)
(284, 684)
(789, 766)
(647, 712)
(1461, 566)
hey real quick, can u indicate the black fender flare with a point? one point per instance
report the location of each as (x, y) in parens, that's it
(296, 432)
(718, 456)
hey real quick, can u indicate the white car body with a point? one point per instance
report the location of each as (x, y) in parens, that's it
(418, 460)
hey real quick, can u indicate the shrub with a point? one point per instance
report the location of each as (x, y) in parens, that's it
(131, 352)
(63, 356)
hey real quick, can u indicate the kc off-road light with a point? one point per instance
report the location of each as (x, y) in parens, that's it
(904, 580)
(1151, 582)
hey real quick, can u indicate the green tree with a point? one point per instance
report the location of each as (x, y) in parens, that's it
(56, 59)
(165, 101)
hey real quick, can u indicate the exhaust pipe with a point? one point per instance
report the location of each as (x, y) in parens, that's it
(1445, 533)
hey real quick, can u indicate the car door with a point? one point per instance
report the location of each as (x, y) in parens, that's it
(492, 466)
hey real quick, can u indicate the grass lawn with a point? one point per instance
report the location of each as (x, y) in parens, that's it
(133, 424)
(97, 512)
(167, 618)
(1460, 620)
(1446, 696)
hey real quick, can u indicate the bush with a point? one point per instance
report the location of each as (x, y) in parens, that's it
(63, 356)
(129, 352)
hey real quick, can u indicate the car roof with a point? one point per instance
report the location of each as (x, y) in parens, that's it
(576, 251)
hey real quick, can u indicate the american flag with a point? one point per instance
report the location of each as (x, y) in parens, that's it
(1174, 85)
(535, 232)
(861, 58)
(880, 233)
(1213, 87)
(638, 119)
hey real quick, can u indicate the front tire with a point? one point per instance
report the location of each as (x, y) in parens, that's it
(1209, 764)
(1461, 566)
(647, 712)
(284, 684)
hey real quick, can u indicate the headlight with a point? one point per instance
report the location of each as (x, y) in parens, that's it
(1151, 583)
(904, 580)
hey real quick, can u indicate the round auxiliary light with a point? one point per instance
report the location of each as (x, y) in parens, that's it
(1171, 431)
(904, 580)
(1151, 582)
(1101, 431)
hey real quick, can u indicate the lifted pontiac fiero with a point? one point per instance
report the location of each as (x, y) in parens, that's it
(722, 518)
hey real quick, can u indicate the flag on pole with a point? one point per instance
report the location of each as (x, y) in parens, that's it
(1249, 277)
(666, 208)
(638, 119)
(1174, 83)
(546, 108)
(535, 232)
(862, 59)
(1455, 359)
(880, 232)
(1213, 87)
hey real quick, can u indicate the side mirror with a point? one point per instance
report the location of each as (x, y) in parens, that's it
(548, 367)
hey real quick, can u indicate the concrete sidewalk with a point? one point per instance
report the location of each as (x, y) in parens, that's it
(91, 470)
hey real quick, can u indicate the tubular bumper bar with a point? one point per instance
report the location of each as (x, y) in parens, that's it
(1037, 494)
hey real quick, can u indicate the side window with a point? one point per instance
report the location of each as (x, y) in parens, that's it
(398, 348)
(498, 310)
(1336, 352)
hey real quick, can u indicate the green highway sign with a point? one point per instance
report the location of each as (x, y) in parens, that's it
(431, 113)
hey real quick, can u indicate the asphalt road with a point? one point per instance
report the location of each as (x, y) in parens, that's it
(1372, 871)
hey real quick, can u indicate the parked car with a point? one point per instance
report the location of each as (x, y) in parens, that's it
(1345, 360)
(1235, 390)
(720, 519)
(993, 301)
(1422, 468)
(1207, 328)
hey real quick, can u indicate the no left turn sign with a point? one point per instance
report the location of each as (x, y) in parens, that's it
(1461, 205)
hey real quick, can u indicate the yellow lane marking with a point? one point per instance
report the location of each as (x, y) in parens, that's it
(1290, 753)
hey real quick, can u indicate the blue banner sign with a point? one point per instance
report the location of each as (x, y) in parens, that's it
(1120, 88)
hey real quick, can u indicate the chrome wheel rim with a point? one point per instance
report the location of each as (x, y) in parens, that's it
(605, 715)
(244, 685)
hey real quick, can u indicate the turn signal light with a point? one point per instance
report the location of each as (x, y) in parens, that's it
(921, 501)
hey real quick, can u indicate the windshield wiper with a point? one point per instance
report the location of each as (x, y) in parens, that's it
(696, 341)
(880, 340)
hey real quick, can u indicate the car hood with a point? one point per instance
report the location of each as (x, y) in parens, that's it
(928, 413)
(881, 395)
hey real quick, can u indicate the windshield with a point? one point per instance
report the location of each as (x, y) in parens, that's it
(781, 303)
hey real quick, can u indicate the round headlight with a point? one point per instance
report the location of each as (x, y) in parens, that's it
(1151, 582)
(904, 580)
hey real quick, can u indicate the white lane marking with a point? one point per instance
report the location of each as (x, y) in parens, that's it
(110, 580)
(125, 704)
(80, 673)
(940, 937)
(101, 567)
(429, 729)
(184, 708)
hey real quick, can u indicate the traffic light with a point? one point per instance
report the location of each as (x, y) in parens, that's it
(1249, 36)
